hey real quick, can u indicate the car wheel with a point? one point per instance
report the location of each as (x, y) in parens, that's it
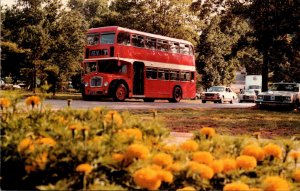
(149, 100)
(203, 101)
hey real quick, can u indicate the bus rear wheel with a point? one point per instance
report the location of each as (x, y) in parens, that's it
(177, 95)
(120, 93)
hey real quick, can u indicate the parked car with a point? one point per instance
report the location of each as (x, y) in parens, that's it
(219, 94)
(247, 96)
(280, 95)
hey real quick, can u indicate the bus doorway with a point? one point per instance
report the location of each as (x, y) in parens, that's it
(138, 78)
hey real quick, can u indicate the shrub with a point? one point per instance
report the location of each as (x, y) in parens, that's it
(100, 149)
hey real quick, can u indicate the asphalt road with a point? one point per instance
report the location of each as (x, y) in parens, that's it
(139, 104)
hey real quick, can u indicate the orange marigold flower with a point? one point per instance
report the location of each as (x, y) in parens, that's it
(46, 141)
(147, 178)
(32, 100)
(229, 164)
(255, 189)
(97, 109)
(162, 159)
(4, 103)
(273, 150)
(203, 157)
(255, 151)
(26, 144)
(85, 168)
(236, 186)
(246, 162)
(189, 145)
(203, 170)
(137, 151)
(207, 131)
(131, 133)
(294, 155)
(113, 117)
(217, 166)
(74, 126)
(275, 183)
(187, 188)
(41, 160)
(296, 175)
(169, 148)
(175, 167)
(118, 157)
(165, 176)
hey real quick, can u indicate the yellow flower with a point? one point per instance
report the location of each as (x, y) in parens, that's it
(97, 109)
(246, 162)
(147, 178)
(236, 186)
(255, 151)
(169, 148)
(4, 103)
(32, 100)
(296, 175)
(137, 151)
(131, 133)
(217, 166)
(86, 168)
(275, 183)
(41, 160)
(187, 188)
(273, 150)
(118, 157)
(203, 170)
(113, 117)
(165, 176)
(189, 145)
(175, 167)
(46, 141)
(229, 164)
(207, 131)
(255, 189)
(26, 145)
(203, 157)
(162, 159)
(294, 155)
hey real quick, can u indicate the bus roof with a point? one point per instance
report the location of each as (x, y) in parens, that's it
(117, 28)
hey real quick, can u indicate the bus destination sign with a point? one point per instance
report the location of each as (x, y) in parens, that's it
(99, 52)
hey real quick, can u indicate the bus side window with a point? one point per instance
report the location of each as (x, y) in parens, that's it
(161, 75)
(162, 45)
(123, 38)
(174, 47)
(150, 43)
(172, 75)
(137, 40)
(192, 76)
(184, 49)
(148, 73)
(177, 75)
(154, 73)
(167, 75)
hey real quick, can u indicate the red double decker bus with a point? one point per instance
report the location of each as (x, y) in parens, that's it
(123, 63)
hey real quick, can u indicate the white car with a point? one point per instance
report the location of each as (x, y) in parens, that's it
(280, 95)
(247, 96)
(219, 94)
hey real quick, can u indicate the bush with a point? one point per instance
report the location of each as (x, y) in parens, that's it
(100, 149)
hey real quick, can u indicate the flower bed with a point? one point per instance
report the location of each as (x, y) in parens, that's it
(100, 149)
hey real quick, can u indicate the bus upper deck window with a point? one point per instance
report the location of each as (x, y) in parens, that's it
(150, 43)
(123, 38)
(92, 39)
(184, 49)
(107, 38)
(137, 40)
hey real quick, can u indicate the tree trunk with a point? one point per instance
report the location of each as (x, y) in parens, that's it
(265, 70)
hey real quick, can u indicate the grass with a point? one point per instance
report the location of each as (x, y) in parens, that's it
(270, 124)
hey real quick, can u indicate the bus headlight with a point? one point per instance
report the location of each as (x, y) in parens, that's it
(86, 84)
(105, 84)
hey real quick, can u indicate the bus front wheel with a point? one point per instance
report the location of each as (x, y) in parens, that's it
(177, 95)
(120, 93)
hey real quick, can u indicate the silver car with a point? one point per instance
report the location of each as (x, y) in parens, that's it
(247, 96)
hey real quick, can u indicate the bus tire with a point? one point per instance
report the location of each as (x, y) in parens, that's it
(149, 100)
(120, 92)
(177, 95)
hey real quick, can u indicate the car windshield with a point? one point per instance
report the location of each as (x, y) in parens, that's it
(216, 89)
(284, 87)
